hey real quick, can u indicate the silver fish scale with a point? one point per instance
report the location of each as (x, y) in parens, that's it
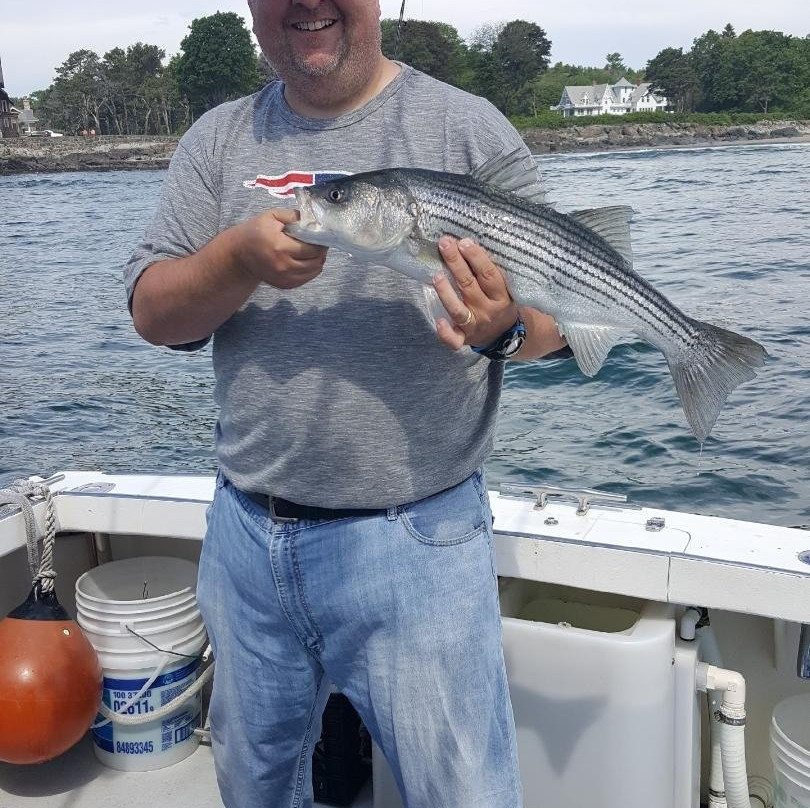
(544, 251)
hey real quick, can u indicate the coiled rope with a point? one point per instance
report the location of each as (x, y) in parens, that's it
(21, 493)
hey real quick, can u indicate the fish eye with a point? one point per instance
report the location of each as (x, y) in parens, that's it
(335, 194)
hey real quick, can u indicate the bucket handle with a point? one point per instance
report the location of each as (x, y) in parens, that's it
(161, 666)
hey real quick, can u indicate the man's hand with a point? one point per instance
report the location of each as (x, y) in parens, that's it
(182, 300)
(482, 308)
(269, 255)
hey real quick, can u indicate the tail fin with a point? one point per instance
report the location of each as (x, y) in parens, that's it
(719, 361)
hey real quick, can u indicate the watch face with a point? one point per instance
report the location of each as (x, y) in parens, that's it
(514, 345)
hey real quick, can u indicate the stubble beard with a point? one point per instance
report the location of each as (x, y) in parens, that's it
(348, 71)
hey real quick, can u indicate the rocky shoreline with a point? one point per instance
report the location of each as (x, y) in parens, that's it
(114, 153)
(28, 155)
(596, 137)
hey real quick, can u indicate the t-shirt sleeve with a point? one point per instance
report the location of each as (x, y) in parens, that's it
(477, 132)
(187, 217)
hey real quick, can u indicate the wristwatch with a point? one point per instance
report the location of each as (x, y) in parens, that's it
(505, 346)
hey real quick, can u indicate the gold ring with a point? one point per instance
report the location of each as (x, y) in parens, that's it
(468, 320)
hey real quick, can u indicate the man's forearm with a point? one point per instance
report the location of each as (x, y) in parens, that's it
(181, 300)
(186, 299)
(542, 335)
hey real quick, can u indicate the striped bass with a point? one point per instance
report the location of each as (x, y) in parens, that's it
(577, 267)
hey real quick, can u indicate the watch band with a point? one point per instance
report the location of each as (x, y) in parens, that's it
(505, 346)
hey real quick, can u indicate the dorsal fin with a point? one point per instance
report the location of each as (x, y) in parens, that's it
(612, 224)
(516, 172)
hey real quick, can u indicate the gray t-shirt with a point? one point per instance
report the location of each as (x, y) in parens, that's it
(337, 393)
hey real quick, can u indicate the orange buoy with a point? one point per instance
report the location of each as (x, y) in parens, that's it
(50, 681)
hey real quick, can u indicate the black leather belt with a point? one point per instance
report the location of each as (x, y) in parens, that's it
(282, 510)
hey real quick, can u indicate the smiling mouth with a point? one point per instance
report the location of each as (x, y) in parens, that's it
(316, 25)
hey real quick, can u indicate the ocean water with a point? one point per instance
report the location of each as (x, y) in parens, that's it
(724, 232)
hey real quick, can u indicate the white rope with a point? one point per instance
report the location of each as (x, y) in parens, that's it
(20, 494)
(161, 712)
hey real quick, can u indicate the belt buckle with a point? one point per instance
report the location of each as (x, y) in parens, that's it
(271, 509)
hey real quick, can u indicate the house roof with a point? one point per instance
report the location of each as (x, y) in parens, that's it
(643, 89)
(595, 93)
(623, 82)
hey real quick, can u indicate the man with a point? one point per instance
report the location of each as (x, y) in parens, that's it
(349, 542)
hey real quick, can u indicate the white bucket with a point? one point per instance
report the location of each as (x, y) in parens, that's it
(790, 751)
(149, 649)
(138, 584)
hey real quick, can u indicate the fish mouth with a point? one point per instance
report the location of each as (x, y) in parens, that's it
(308, 225)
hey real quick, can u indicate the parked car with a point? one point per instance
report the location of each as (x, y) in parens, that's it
(45, 133)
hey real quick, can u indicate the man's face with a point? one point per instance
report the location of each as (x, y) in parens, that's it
(309, 39)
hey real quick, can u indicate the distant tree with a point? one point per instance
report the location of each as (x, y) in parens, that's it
(506, 58)
(728, 32)
(218, 61)
(614, 64)
(715, 69)
(670, 73)
(72, 101)
(434, 48)
(762, 57)
(521, 51)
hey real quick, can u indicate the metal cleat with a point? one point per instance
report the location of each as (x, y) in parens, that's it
(585, 497)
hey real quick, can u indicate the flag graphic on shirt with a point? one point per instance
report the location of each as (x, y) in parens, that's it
(283, 185)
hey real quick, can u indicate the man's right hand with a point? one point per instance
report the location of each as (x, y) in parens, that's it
(269, 255)
(186, 299)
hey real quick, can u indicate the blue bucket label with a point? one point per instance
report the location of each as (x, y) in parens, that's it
(153, 736)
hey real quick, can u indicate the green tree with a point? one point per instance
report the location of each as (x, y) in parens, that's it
(434, 48)
(716, 71)
(615, 65)
(521, 51)
(71, 103)
(218, 61)
(505, 58)
(670, 73)
(763, 57)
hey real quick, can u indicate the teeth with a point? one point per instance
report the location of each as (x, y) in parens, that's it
(313, 26)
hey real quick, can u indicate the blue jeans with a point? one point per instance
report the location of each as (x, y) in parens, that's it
(398, 610)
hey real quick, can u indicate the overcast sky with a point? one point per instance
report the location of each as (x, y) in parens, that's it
(36, 36)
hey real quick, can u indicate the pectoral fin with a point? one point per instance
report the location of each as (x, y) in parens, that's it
(590, 344)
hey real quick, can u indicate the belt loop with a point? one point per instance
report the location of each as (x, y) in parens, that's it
(392, 513)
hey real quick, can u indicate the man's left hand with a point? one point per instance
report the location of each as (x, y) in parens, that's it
(481, 308)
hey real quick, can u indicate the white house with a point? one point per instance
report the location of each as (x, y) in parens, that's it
(610, 99)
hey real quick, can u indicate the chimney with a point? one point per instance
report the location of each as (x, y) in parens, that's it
(26, 103)
(1, 73)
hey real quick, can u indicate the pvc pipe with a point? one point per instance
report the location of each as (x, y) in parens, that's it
(709, 652)
(688, 623)
(730, 719)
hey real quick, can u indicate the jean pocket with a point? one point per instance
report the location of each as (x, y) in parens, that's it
(450, 517)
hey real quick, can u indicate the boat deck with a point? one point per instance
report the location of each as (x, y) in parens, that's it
(77, 780)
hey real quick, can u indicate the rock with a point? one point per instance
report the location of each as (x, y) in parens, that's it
(786, 131)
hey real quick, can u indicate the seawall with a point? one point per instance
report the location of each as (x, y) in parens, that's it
(114, 153)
